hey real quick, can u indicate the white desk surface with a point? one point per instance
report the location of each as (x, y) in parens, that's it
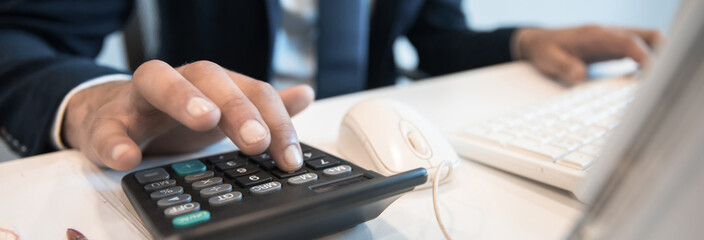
(480, 203)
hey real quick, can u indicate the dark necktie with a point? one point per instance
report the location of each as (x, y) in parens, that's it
(342, 46)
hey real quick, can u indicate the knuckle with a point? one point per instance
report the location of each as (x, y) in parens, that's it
(593, 28)
(234, 103)
(202, 65)
(282, 126)
(261, 88)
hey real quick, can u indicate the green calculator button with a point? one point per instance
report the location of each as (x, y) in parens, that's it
(188, 167)
(191, 219)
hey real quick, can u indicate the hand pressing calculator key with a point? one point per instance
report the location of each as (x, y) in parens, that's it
(236, 196)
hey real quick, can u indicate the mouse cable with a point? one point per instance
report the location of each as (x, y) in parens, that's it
(436, 183)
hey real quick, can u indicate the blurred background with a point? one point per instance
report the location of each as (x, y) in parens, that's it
(485, 15)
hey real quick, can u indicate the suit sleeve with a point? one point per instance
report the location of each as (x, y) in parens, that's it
(445, 44)
(46, 49)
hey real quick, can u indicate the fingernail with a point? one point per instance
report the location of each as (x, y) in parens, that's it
(293, 157)
(198, 106)
(119, 150)
(252, 131)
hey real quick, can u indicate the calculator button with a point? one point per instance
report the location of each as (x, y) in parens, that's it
(261, 157)
(182, 209)
(337, 170)
(322, 163)
(188, 167)
(301, 179)
(225, 198)
(223, 157)
(254, 179)
(231, 164)
(281, 174)
(215, 190)
(159, 185)
(191, 219)
(241, 171)
(178, 199)
(151, 175)
(166, 192)
(198, 176)
(265, 188)
(200, 184)
(268, 165)
(311, 154)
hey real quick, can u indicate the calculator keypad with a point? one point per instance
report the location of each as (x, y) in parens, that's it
(213, 180)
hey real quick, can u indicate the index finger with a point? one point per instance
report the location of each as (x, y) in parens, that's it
(284, 147)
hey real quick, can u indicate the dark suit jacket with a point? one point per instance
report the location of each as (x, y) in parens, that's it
(47, 47)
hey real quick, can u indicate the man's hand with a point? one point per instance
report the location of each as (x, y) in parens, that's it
(563, 53)
(168, 110)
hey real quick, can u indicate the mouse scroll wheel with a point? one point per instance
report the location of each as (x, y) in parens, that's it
(418, 142)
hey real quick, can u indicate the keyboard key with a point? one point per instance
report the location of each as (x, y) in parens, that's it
(520, 131)
(567, 144)
(609, 123)
(241, 171)
(200, 184)
(261, 157)
(311, 154)
(268, 165)
(215, 190)
(226, 198)
(281, 174)
(231, 164)
(223, 157)
(198, 176)
(577, 160)
(322, 163)
(167, 192)
(181, 209)
(583, 138)
(265, 188)
(541, 137)
(178, 199)
(159, 185)
(301, 179)
(188, 167)
(337, 170)
(191, 219)
(591, 150)
(151, 175)
(544, 152)
(595, 131)
(254, 179)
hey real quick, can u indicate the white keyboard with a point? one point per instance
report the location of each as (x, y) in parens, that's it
(555, 141)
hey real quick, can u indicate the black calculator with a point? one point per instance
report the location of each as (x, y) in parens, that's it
(238, 196)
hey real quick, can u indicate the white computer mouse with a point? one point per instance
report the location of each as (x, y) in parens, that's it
(390, 137)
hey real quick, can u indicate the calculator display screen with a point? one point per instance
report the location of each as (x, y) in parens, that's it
(339, 184)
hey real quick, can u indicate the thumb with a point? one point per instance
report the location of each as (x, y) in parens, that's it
(559, 63)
